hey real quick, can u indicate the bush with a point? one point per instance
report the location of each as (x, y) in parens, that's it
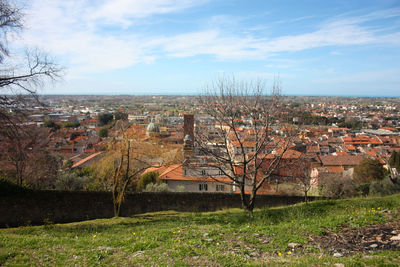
(147, 178)
(383, 188)
(334, 185)
(103, 132)
(73, 124)
(180, 188)
(71, 181)
(156, 188)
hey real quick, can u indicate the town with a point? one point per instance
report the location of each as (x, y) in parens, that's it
(68, 134)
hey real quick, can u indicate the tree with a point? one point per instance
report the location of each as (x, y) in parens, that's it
(20, 75)
(103, 132)
(127, 157)
(50, 124)
(22, 144)
(368, 170)
(301, 170)
(247, 156)
(105, 118)
(147, 178)
(42, 170)
(119, 115)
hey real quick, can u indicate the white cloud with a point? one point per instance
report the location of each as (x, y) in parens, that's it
(123, 11)
(73, 30)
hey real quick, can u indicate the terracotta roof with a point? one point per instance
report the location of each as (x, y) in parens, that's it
(330, 160)
(79, 163)
(175, 172)
(312, 149)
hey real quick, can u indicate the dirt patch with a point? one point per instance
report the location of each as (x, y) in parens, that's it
(363, 239)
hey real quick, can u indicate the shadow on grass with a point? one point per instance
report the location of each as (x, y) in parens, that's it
(232, 217)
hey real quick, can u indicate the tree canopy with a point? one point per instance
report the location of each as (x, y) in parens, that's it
(369, 170)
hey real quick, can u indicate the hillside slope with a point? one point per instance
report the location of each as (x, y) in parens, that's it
(355, 231)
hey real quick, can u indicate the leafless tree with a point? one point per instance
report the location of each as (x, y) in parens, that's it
(127, 157)
(20, 77)
(243, 146)
(301, 171)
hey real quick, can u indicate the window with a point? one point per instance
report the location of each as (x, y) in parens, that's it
(203, 187)
(220, 172)
(220, 187)
(203, 172)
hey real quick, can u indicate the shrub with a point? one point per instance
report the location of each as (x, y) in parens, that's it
(180, 188)
(71, 181)
(156, 188)
(335, 185)
(103, 132)
(147, 178)
(383, 188)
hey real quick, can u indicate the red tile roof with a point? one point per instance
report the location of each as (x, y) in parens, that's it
(330, 160)
(79, 163)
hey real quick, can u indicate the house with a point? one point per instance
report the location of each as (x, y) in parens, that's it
(195, 180)
(340, 163)
(87, 160)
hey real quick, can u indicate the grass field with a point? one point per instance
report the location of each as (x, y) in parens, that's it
(223, 238)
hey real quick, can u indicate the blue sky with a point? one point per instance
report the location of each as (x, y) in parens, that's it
(179, 46)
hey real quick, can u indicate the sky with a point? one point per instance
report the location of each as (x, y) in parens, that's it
(336, 47)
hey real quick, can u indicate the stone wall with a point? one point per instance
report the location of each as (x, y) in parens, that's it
(38, 207)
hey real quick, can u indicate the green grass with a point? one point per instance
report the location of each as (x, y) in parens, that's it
(224, 238)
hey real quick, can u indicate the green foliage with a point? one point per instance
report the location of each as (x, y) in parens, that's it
(105, 118)
(120, 116)
(68, 164)
(103, 132)
(71, 181)
(50, 124)
(383, 188)
(180, 188)
(147, 178)
(71, 124)
(85, 171)
(369, 170)
(156, 188)
(351, 123)
(222, 238)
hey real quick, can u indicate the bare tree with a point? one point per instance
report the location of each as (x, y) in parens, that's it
(20, 77)
(243, 146)
(127, 157)
(10, 20)
(301, 171)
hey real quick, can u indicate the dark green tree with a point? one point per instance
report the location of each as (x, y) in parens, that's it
(50, 124)
(103, 132)
(105, 118)
(369, 170)
(120, 116)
